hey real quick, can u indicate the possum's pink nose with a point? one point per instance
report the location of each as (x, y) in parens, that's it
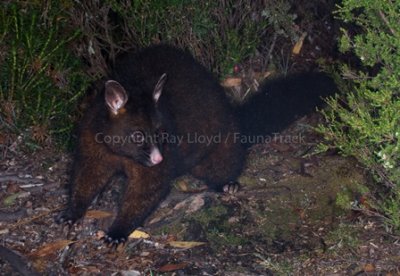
(155, 156)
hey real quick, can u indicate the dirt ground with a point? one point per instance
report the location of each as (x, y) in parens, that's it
(285, 220)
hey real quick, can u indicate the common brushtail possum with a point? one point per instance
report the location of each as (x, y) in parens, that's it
(161, 115)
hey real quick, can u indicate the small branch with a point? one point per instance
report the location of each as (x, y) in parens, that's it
(32, 185)
(29, 220)
(245, 194)
(17, 262)
(383, 17)
(16, 178)
(271, 49)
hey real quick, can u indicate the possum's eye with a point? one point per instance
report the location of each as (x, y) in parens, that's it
(138, 137)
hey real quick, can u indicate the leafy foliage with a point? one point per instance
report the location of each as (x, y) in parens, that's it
(50, 49)
(366, 122)
(40, 80)
(219, 33)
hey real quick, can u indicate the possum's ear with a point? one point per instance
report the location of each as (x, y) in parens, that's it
(159, 87)
(115, 96)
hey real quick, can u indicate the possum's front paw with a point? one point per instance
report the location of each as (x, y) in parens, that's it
(231, 188)
(67, 217)
(114, 238)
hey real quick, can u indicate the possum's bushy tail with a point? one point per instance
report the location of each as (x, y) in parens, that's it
(280, 101)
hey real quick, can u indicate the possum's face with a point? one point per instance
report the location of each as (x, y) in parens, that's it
(134, 133)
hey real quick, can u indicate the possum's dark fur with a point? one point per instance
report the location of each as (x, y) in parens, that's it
(154, 122)
(280, 101)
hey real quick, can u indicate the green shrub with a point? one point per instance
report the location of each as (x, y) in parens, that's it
(365, 123)
(40, 82)
(43, 44)
(219, 33)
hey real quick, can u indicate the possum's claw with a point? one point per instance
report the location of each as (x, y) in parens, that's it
(231, 188)
(114, 239)
(66, 217)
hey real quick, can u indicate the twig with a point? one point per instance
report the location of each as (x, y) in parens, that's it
(16, 178)
(28, 220)
(17, 262)
(271, 49)
(381, 173)
(386, 22)
(32, 185)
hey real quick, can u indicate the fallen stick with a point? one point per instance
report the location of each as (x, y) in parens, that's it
(16, 178)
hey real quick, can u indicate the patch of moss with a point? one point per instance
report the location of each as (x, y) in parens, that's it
(176, 228)
(278, 223)
(281, 268)
(343, 236)
(306, 200)
(219, 231)
(212, 215)
(317, 195)
(248, 181)
(219, 238)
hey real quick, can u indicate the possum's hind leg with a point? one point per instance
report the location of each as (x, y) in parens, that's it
(222, 166)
